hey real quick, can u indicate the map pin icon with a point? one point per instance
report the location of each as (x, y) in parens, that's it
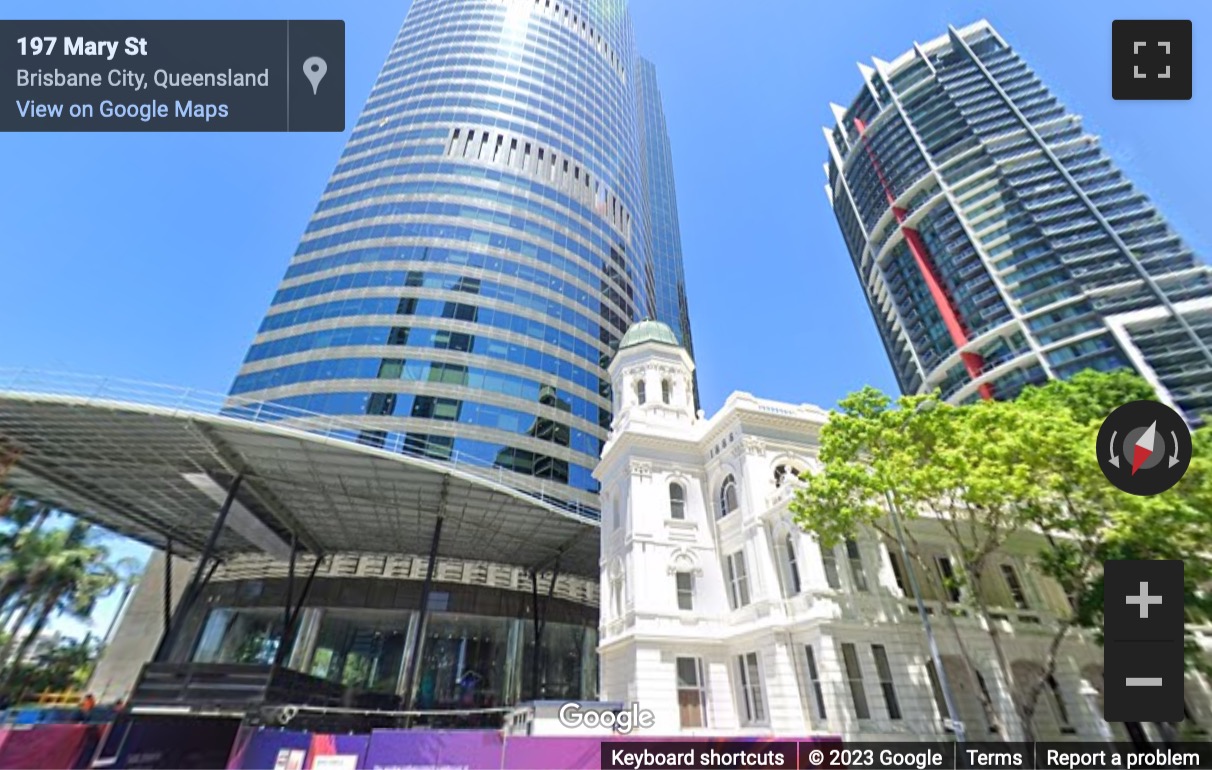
(314, 68)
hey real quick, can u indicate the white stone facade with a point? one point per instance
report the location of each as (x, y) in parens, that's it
(707, 621)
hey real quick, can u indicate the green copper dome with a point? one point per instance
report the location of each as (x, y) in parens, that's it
(648, 331)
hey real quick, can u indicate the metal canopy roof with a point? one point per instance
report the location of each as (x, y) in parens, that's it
(158, 472)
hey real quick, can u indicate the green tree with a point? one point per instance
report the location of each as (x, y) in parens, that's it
(20, 520)
(70, 575)
(1073, 505)
(926, 459)
(63, 667)
(27, 568)
(987, 470)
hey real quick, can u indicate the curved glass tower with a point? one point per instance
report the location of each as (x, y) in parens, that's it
(997, 243)
(484, 241)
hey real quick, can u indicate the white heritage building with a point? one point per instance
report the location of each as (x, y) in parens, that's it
(722, 618)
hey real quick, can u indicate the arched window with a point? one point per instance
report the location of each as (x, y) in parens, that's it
(728, 496)
(641, 392)
(785, 473)
(677, 501)
(666, 391)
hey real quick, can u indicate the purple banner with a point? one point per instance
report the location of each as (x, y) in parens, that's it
(146, 741)
(525, 752)
(433, 749)
(270, 749)
(487, 750)
(337, 752)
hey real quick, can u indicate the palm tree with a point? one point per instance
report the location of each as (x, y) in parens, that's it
(72, 576)
(27, 518)
(23, 570)
(64, 666)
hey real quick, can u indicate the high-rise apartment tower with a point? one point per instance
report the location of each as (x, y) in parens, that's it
(997, 243)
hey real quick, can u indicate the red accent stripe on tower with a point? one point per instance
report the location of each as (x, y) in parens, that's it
(973, 362)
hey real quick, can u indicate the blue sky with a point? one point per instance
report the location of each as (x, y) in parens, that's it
(154, 256)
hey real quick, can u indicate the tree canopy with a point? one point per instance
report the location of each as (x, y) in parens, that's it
(49, 566)
(988, 470)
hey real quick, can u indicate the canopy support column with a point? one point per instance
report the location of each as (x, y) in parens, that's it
(168, 586)
(426, 588)
(291, 623)
(540, 623)
(201, 575)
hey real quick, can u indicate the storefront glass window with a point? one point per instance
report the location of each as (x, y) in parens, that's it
(363, 649)
(249, 636)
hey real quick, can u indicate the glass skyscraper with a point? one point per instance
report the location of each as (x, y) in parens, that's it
(502, 211)
(997, 243)
(668, 279)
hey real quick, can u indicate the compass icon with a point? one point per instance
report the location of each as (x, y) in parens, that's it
(1144, 447)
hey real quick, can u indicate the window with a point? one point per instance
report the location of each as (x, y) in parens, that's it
(988, 697)
(1057, 701)
(884, 672)
(436, 408)
(448, 340)
(641, 392)
(240, 636)
(751, 688)
(786, 562)
(359, 650)
(452, 374)
(425, 445)
(391, 369)
(381, 403)
(936, 687)
(829, 560)
(857, 574)
(692, 694)
(854, 676)
(898, 572)
(785, 473)
(459, 311)
(947, 573)
(666, 391)
(677, 501)
(616, 594)
(814, 679)
(1015, 586)
(728, 496)
(685, 587)
(738, 580)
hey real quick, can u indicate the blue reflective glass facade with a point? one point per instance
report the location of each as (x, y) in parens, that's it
(502, 212)
(668, 278)
(997, 242)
